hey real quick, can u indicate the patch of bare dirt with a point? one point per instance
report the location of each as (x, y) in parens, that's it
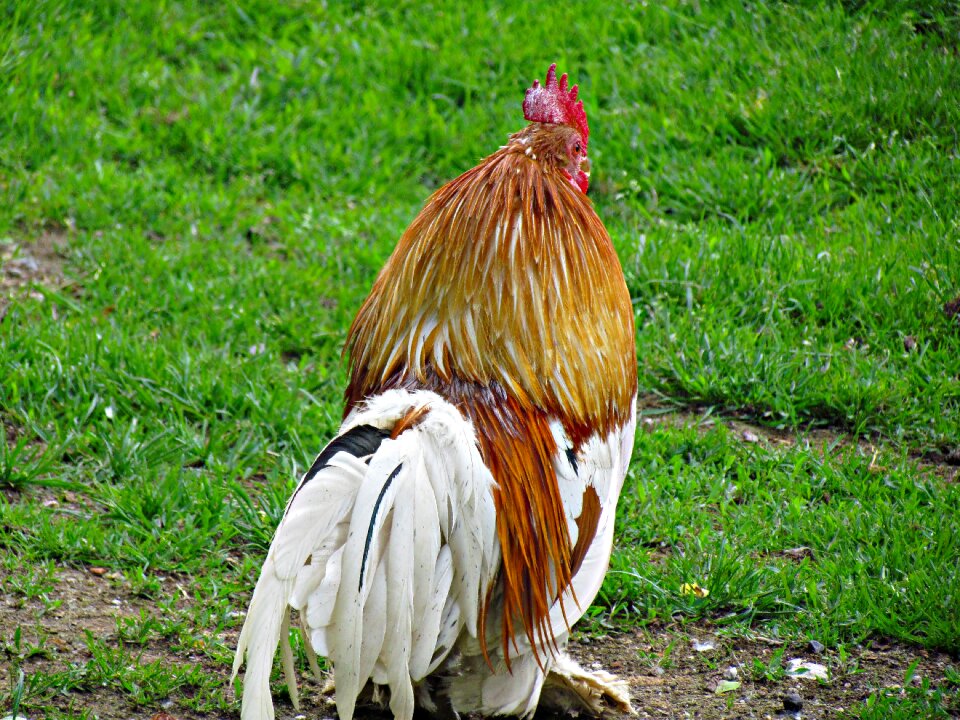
(681, 675)
(952, 309)
(81, 600)
(53, 626)
(24, 264)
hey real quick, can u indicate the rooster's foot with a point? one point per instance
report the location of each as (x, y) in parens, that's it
(570, 688)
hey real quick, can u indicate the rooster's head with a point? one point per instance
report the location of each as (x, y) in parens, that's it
(560, 132)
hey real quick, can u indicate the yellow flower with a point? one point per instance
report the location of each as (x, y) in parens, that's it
(694, 589)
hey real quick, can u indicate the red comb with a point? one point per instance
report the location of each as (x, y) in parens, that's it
(553, 103)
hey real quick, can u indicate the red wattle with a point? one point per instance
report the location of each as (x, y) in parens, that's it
(581, 181)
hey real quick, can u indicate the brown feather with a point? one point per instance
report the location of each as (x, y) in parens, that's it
(411, 419)
(516, 443)
(586, 527)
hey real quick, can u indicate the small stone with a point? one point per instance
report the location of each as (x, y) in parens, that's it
(730, 673)
(798, 553)
(792, 702)
(21, 267)
(909, 343)
(750, 437)
(98, 571)
(815, 646)
(799, 668)
(705, 646)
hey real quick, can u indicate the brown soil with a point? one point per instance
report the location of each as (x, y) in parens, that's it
(27, 264)
(92, 601)
(669, 678)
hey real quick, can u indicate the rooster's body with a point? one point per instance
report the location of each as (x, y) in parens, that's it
(441, 547)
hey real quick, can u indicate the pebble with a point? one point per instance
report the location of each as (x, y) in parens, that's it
(815, 646)
(705, 646)
(730, 673)
(799, 668)
(792, 702)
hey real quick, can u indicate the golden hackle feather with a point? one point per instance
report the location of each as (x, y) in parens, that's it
(506, 297)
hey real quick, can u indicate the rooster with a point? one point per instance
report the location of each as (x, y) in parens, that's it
(441, 547)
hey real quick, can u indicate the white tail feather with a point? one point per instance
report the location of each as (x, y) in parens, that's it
(387, 562)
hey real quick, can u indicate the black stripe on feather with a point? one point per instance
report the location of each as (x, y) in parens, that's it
(373, 521)
(357, 441)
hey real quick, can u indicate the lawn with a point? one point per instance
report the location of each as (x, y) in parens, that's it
(195, 199)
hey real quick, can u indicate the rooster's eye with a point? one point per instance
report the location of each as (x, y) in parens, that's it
(577, 148)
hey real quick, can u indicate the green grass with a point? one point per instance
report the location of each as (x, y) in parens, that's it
(913, 700)
(227, 179)
(835, 545)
